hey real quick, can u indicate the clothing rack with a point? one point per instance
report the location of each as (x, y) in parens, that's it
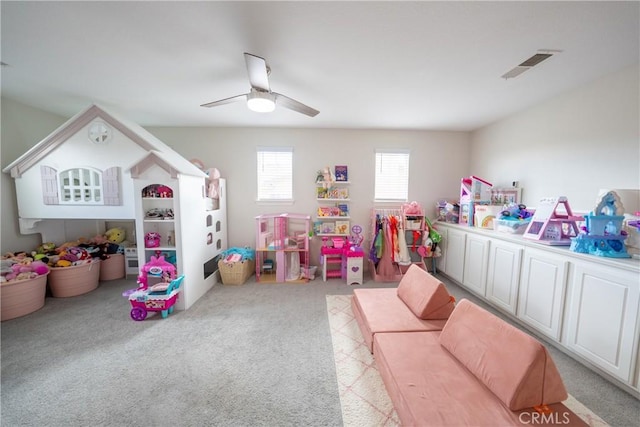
(388, 230)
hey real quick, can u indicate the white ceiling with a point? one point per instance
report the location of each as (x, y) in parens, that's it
(390, 65)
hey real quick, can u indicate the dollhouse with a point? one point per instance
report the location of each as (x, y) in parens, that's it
(603, 233)
(98, 168)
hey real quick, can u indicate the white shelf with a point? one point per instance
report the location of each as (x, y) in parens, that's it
(333, 200)
(320, 184)
(159, 220)
(161, 248)
(330, 218)
(331, 235)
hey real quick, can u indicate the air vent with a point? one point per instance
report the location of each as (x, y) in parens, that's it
(529, 63)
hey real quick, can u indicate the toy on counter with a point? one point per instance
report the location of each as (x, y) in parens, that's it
(513, 219)
(553, 223)
(602, 234)
(356, 238)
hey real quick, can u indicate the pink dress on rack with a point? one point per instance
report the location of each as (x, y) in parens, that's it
(385, 266)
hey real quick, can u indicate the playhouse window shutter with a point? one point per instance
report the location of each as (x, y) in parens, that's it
(111, 186)
(275, 174)
(49, 178)
(392, 175)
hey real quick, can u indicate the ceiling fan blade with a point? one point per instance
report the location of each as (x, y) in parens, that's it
(258, 72)
(294, 105)
(226, 101)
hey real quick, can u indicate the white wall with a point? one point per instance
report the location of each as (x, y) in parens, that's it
(573, 145)
(438, 160)
(22, 128)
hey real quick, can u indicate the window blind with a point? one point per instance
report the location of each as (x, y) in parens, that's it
(392, 175)
(275, 174)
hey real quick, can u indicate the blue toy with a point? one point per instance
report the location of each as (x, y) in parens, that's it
(602, 234)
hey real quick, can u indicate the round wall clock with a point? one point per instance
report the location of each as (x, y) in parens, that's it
(99, 133)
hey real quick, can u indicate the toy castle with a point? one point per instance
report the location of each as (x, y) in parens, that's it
(602, 234)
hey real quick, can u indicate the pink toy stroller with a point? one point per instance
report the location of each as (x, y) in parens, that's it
(158, 289)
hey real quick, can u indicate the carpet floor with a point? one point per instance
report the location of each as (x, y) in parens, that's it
(363, 396)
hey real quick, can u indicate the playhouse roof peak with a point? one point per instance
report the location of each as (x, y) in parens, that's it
(133, 131)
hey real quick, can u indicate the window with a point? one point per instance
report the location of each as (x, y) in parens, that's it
(80, 186)
(275, 174)
(392, 175)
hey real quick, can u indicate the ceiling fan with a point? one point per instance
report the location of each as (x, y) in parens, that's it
(261, 98)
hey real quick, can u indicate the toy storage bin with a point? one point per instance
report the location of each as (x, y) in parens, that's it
(112, 268)
(22, 297)
(236, 273)
(75, 280)
(513, 227)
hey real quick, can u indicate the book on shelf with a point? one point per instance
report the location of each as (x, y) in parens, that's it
(344, 209)
(328, 211)
(322, 193)
(342, 173)
(342, 227)
(328, 227)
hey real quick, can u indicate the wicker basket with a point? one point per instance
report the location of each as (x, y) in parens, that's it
(236, 273)
(22, 297)
(75, 280)
(112, 268)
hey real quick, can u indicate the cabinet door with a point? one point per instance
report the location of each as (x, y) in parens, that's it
(542, 290)
(475, 263)
(455, 254)
(603, 317)
(503, 276)
(441, 261)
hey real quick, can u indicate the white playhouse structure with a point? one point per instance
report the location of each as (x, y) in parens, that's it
(97, 170)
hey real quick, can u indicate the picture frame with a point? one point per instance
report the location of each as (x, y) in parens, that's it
(504, 196)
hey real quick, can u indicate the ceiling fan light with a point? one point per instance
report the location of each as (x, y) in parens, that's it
(261, 102)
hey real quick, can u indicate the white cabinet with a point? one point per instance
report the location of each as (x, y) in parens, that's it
(588, 305)
(454, 249)
(542, 291)
(441, 261)
(603, 317)
(503, 276)
(475, 263)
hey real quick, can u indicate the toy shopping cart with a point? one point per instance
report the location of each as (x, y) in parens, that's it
(159, 297)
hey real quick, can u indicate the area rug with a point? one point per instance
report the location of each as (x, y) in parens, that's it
(363, 397)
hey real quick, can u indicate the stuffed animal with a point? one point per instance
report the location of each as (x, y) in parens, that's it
(43, 252)
(327, 177)
(12, 270)
(115, 235)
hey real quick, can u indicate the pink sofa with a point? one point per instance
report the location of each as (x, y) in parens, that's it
(419, 303)
(470, 369)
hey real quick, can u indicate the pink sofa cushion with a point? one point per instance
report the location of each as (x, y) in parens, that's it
(513, 365)
(380, 310)
(429, 387)
(425, 295)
